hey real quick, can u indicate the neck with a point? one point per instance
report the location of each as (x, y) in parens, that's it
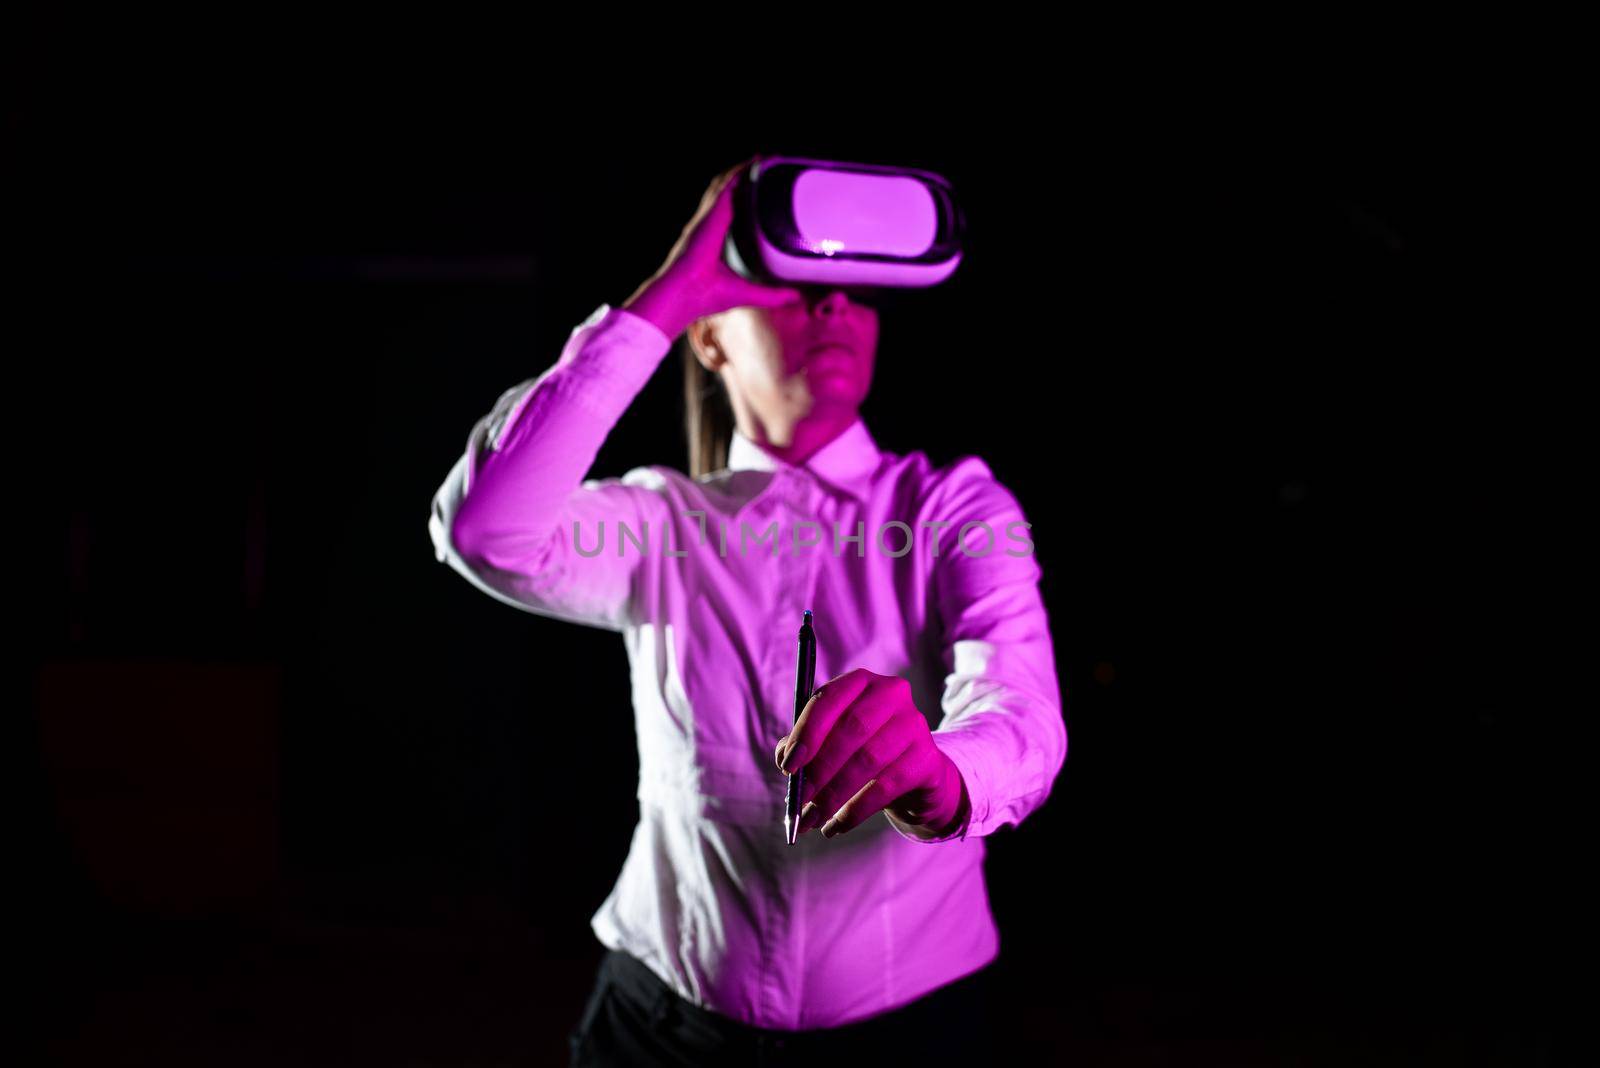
(798, 442)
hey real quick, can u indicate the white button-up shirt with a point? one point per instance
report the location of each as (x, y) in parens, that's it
(706, 579)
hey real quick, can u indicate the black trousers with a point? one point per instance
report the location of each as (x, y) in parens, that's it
(635, 1019)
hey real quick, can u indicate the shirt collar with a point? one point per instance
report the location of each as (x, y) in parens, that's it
(846, 463)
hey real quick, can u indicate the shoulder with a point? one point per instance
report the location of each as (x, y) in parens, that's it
(650, 485)
(973, 514)
(674, 487)
(965, 489)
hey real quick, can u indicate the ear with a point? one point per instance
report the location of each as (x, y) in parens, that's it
(702, 335)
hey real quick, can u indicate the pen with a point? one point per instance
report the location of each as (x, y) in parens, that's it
(805, 678)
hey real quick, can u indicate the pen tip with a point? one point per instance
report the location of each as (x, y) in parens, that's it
(808, 615)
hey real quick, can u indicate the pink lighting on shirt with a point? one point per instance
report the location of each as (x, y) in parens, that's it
(711, 898)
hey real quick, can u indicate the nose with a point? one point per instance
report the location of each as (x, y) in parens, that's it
(831, 302)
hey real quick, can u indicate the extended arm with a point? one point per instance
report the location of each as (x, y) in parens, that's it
(866, 746)
(1002, 726)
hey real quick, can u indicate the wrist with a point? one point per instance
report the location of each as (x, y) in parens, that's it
(660, 306)
(963, 804)
(951, 815)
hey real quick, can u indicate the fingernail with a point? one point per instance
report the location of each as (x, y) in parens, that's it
(777, 753)
(832, 828)
(795, 757)
(808, 816)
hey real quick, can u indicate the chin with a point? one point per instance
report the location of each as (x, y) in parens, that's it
(831, 400)
(835, 388)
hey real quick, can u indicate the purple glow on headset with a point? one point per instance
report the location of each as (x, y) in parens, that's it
(838, 211)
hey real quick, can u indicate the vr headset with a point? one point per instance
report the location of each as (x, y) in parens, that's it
(854, 226)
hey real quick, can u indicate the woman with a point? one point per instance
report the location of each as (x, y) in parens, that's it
(727, 944)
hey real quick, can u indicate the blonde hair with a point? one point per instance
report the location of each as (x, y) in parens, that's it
(707, 414)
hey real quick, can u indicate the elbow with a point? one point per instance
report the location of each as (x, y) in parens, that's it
(484, 548)
(452, 534)
(450, 524)
(476, 549)
(1054, 725)
(471, 536)
(1049, 746)
(1059, 736)
(463, 537)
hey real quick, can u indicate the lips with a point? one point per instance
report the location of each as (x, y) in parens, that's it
(830, 355)
(829, 361)
(837, 343)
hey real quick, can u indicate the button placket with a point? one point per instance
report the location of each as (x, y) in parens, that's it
(780, 666)
(787, 603)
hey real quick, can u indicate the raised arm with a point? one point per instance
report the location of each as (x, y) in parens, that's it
(515, 516)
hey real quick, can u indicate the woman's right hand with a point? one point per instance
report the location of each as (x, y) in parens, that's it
(694, 281)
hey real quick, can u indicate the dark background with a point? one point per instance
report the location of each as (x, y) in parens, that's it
(293, 793)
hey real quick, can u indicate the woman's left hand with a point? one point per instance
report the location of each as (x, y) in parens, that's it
(865, 746)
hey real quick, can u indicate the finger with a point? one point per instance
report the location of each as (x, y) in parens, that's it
(817, 717)
(715, 192)
(727, 174)
(722, 207)
(867, 733)
(709, 226)
(871, 799)
(863, 763)
(725, 181)
(769, 296)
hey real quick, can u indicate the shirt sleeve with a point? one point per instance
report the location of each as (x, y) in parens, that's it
(515, 515)
(1002, 722)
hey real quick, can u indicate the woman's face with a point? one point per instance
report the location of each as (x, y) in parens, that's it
(802, 365)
